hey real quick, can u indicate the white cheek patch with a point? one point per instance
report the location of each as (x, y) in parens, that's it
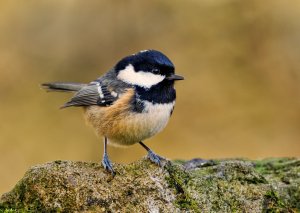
(140, 78)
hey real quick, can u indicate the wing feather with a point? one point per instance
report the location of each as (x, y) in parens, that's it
(92, 94)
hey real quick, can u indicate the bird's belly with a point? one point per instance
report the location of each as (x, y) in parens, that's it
(123, 128)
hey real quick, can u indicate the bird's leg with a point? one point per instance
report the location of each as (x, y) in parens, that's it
(152, 156)
(105, 161)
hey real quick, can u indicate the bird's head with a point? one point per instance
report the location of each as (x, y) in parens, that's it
(146, 69)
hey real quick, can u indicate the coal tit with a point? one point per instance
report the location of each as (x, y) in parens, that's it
(130, 103)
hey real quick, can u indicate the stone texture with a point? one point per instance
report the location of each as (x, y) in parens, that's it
(230, 185)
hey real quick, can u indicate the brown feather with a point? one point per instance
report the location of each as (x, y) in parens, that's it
(121, 125)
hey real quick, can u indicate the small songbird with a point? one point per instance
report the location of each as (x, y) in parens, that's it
(130, 103)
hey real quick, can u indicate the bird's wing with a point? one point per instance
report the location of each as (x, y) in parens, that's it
(94, 93)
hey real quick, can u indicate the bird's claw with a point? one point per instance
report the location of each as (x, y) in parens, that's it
(107, 164)
(155, 158)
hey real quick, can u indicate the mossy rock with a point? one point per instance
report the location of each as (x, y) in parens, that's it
(229, 185)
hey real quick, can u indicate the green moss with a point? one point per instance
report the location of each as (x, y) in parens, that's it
(15, 211)
(293, 196)
(273, 203)
(179, 179)
(179, 161)
(223, 186)
(7, 211)
(273, 165)
(283, 174)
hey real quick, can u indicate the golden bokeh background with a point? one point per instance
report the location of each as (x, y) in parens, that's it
(241, 61)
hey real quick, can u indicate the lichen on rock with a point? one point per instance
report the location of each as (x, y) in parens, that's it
(271, 185)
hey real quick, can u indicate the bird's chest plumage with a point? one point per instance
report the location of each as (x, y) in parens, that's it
(123, 126)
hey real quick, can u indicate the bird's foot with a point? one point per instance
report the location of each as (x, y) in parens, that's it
(107, 164)
(155, 158)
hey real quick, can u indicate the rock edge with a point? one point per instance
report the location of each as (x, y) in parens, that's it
(229, 185)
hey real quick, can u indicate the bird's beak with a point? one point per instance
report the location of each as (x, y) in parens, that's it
(174, 77)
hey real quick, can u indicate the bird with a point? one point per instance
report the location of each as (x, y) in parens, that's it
(131, 102)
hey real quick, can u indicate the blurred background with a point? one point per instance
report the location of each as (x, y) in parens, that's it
(241, 96)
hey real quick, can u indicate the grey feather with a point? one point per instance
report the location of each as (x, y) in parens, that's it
(62, 86)
(86, 96)
(89, 94)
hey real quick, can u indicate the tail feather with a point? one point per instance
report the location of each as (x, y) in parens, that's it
(62, 87)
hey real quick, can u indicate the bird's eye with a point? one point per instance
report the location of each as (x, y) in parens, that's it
(155, 71)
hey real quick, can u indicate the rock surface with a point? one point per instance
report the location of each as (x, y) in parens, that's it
(230, 185)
